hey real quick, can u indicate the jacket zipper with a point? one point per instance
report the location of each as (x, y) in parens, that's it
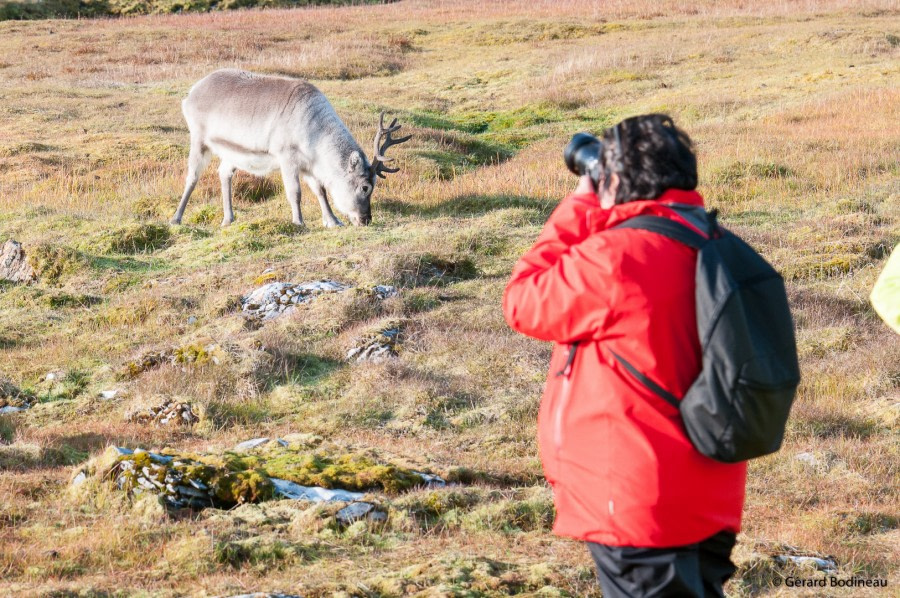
(566, 374)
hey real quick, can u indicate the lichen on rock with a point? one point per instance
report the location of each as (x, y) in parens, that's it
(266, 470)
(275, 298)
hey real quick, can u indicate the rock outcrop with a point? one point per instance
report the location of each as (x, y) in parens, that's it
(264, 469)
(170, 412)
(14, 266)
(276, 298)
(382, 346)
(273, 299)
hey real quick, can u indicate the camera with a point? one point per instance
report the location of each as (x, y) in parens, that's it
(582, 156)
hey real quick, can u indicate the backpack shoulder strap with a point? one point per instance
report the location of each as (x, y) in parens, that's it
(667, 228)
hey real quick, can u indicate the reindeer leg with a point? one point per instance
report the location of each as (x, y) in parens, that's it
(290, 174)
(328, 217)
(226, 172)
(197, 161)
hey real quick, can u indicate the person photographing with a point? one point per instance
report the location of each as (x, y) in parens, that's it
(660, 517)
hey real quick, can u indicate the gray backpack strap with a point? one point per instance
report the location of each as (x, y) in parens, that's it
(667, 228)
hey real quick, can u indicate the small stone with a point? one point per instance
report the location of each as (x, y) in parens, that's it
(384, 291)
(295, 491)
(198, 484)
(250, 444)
(79, 479)
(192, 492)
(192, 320)
(108, 394)
(353, 511)
(807, 458)
(431, 480)
(821, 564)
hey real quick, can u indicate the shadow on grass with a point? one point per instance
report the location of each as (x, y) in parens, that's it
(126, 264)
(304, 369)
(471, 205)
(819, 307)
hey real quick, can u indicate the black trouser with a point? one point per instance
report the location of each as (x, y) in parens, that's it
(696, 570)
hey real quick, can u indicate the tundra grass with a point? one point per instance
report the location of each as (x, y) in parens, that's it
(790, 107)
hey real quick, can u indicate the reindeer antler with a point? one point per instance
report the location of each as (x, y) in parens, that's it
(379, 160)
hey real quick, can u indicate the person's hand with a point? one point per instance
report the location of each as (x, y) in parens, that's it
(585, 185)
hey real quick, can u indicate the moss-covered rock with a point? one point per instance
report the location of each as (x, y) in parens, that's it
(226, 479)
(355, 471)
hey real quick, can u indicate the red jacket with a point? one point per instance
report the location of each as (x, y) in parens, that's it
(623, 470)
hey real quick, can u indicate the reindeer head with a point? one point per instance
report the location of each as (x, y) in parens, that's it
(361, 178)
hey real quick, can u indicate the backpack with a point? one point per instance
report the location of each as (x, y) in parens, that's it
(738, 406)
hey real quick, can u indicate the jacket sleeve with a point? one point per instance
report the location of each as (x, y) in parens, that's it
(560, 289)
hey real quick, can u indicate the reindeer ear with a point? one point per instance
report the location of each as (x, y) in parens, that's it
(355, 163)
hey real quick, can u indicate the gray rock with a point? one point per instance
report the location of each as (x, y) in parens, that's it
(14, 266)
(79, 479)
(821, 564)
(10, 409)
(807, 459)
(294, 491)
(270, 300)
(360, 510)
(353, 512)
(250, 444)
(384, 291)
(431, 480)
(191, 492)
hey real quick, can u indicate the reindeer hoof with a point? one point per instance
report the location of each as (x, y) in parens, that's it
(175, 221)
(227, 222)
(334, 224)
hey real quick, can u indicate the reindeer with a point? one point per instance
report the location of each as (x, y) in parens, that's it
(259, 123)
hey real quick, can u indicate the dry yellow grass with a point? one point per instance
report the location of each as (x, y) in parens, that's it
(791, 105)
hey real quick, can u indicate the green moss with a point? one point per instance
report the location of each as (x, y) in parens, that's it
(148, 361)
(250, 485)
(132, 238)
(531, 514)
(53, 263)
(259, 234)
(193, 354)
(204, 215)
(155, 206)
(350, 472)
(63, 300)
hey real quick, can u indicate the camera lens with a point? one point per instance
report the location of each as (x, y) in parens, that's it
(582, 155)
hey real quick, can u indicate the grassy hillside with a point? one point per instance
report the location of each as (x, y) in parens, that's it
(793, 107)
(61, 9)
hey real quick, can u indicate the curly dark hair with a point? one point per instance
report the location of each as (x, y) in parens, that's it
(650, 155)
